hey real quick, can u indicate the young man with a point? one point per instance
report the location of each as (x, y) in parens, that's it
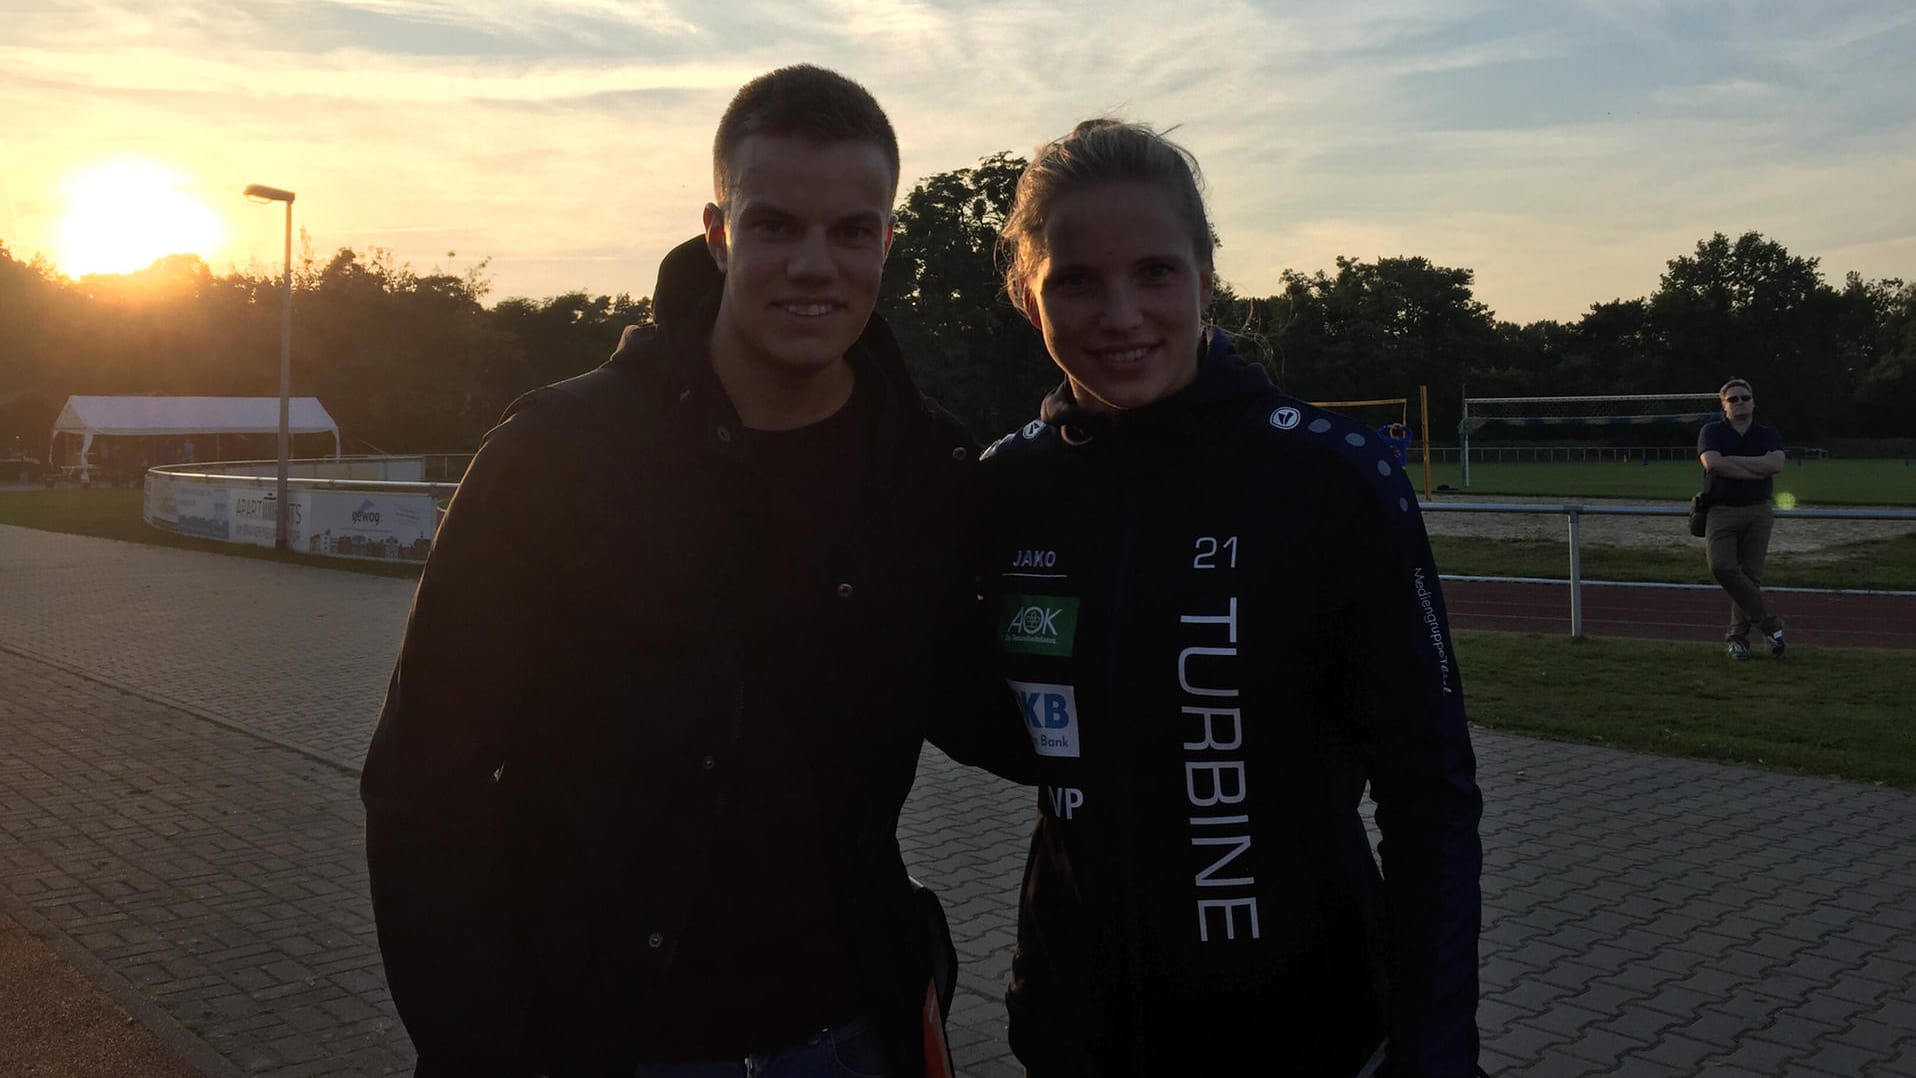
(632, 802)
(1740, 460)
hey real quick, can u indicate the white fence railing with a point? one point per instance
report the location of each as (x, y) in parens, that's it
(1574, 514)
(1586, 454)
(387, 508)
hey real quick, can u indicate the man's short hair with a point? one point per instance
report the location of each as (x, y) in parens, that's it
(1732, 383)
(803, 100)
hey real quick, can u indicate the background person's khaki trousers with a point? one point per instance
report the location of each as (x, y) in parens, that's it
(1738, 537)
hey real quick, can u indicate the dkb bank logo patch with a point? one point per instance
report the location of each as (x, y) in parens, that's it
(1051, 716)
(1038, 624)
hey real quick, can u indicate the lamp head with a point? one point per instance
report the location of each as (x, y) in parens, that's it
(270, 194)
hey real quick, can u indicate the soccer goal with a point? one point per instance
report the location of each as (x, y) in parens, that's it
(1630, 410)
(1391, 418)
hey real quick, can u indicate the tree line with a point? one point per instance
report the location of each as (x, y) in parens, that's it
(410, 362)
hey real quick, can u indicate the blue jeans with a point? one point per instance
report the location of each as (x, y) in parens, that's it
(851, 1050)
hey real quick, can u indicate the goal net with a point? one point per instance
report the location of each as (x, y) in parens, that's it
(1557, 413)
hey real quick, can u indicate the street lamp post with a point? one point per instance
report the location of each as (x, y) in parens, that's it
(282, 514)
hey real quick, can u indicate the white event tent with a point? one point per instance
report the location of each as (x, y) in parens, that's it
(89, 417)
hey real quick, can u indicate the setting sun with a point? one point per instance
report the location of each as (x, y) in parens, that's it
(122, 214)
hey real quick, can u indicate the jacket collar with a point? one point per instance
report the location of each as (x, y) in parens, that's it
(1223, 377)
(675, 352)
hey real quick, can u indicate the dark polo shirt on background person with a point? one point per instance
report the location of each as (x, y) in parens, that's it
(1722, 438)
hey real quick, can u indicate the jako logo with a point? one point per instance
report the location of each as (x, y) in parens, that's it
(1033, 429)
(366, 514)
(1035, 559)
(1285, 418)
(1051, 716)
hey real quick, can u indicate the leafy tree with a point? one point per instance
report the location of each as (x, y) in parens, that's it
(1878, 361)
(1749, 308)
(401, 359)
(565, 335)
(966, 345)
(1381, 329)
(32, 307)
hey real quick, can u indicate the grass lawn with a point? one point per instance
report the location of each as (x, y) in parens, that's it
(1881, 564)
(1890, 483)
(111, 513)
(1837, 712)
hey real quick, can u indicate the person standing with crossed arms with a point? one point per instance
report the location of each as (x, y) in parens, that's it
(1740, 460)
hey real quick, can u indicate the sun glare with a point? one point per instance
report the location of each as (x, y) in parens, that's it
(123, 214)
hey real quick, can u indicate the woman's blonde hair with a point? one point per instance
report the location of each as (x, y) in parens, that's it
(1098, 151)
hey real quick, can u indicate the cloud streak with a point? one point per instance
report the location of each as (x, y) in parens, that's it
(1564, 151)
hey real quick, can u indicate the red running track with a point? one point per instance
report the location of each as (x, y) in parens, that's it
(1867, 621)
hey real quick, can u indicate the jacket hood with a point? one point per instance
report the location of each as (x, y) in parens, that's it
(673, 351)
(1223, 377)
(683, 302)
(688, 280)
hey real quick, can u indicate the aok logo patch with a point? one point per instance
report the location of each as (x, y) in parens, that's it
(1038, 624)
(1051, 716)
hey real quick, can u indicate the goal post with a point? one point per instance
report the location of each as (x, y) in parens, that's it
(1615, 410)
(1382, 412)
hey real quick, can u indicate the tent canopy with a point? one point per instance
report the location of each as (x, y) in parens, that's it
(173, 416)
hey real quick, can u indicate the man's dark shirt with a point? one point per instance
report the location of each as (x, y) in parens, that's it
(1720, 436)
(765, 961)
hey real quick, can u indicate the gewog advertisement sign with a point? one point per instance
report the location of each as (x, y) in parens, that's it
(359, 524)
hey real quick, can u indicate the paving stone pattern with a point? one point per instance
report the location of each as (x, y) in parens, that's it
(221, 876)
(180, 732)
(297, 655)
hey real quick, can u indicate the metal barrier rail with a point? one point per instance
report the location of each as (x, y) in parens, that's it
(395, 486)
(444, 469)
(1575, 513)
(1564, 454)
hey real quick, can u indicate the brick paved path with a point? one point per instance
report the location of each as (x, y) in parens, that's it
(179, 735)
(297, 656)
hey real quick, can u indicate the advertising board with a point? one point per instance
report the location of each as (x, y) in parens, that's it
(256, 516)
(203, 510)
(359, 524)
(382, 525)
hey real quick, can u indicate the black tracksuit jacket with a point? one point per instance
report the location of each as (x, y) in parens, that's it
(1222, 619)
(556, 744)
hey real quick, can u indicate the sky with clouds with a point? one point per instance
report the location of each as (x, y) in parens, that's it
(1562, 149)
